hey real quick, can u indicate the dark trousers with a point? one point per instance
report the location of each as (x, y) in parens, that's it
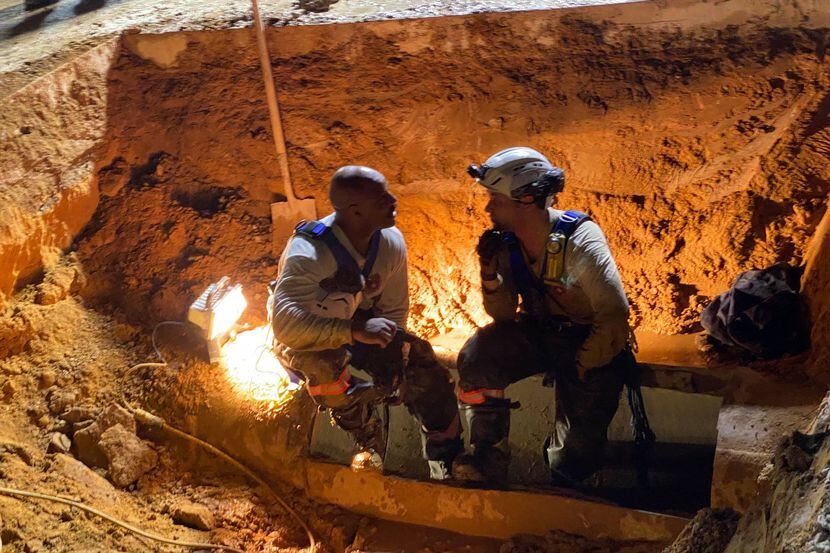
(505, 352)
(408, 369)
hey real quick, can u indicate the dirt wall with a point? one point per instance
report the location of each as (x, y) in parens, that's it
(816, 287)
(48, 191)
(686, 143)
(695, 136)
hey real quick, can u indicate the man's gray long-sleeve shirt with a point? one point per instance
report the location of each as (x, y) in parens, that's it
(592, 293)
(309, 312)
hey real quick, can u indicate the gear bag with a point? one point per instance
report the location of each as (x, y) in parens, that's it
(762, 313)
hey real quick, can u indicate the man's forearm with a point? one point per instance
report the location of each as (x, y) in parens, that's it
(299, 329)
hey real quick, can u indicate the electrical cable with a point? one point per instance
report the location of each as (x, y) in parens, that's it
(149, 419)
(153, 336)
(152, 420)
(131, 528)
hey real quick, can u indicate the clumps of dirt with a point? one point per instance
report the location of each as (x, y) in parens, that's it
(708, 532)
(20, 321)
(182, 237)
(793, 503)
(560, 542)
(62, 432)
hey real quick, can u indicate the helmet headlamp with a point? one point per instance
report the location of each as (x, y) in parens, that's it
(477, 171)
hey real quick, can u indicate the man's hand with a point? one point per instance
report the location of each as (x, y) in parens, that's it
(487, 249)
(376, 332)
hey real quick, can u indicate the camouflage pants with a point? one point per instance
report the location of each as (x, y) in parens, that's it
(506, 352)
(416, 376)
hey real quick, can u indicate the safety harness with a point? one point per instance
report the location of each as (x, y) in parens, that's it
(317, 230)
(532, 288)
(532, 292)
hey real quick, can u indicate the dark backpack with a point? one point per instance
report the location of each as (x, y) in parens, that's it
(762, 313)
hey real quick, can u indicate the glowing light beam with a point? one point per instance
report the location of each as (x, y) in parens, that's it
(254, 372)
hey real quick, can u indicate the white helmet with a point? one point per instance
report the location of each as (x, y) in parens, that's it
(519, 171)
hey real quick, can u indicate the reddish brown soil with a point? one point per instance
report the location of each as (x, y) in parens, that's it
(700, 154)
(70, 350)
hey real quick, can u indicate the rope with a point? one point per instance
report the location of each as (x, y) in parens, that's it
(644, 436)
(131, 528)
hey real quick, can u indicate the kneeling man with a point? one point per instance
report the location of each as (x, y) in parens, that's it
(571, 324)
(341, 301)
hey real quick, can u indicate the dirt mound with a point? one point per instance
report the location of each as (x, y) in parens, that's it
(709, 532)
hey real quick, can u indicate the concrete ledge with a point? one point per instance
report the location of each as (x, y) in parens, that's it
(486, 513)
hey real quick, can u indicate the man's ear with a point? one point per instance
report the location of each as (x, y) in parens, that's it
(526, 200)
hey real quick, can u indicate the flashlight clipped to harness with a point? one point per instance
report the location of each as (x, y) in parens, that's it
(554, 259)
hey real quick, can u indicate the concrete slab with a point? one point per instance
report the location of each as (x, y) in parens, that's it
(487, 513)
(676, 417)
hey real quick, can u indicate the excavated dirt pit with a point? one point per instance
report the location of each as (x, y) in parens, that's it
(700, 147)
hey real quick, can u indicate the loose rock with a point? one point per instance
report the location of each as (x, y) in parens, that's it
(47, 379)
(192, 515)
(86, 446)
(59, 443)
(115, 414)
(129, 457)
(9, 389)
(60, 400)
(78, 414)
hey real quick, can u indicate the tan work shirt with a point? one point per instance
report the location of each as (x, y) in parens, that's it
(309, 313)
(592, 293)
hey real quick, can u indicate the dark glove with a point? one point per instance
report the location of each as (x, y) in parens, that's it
(489, 245)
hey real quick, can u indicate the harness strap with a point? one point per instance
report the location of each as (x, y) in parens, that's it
(318, 230)
(526, 281)
(569, 221)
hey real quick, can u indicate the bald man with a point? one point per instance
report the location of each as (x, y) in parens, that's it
(341, 302)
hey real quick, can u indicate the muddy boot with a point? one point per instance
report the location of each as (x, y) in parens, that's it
(489, 429)
(565, 474)
(441, 448)
(439, 470)
(486, 465)
(361, 420)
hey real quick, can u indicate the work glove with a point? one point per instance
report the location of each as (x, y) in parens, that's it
(488, 248)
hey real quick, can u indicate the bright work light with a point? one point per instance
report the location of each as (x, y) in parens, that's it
(216, 312)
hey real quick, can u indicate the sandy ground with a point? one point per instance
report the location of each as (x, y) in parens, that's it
(34, 42)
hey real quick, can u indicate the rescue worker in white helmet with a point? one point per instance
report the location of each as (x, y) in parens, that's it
(341, 301)
(553, 290)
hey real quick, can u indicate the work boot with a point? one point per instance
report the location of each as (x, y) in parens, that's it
(466, 469)
(562, 473)
(439, 470)
(361, 420)
(487, 464)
